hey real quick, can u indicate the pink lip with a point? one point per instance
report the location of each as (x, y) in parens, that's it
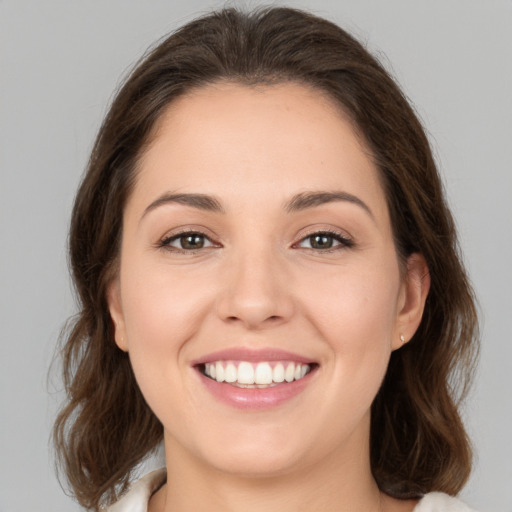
(255, 398)
(244, 354)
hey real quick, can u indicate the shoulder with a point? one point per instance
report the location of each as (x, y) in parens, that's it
(440, 502)
(137, 498)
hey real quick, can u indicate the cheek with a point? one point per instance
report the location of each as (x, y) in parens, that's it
(360, 306)
(162, 312)
(162, 306)
(355, 313)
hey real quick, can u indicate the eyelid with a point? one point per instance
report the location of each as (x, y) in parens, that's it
(164, 242)
(345, 241)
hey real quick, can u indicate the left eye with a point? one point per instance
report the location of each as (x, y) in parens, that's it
(324, 241)
(188, 241)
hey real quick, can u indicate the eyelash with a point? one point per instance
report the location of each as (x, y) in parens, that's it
(165, 242)
(343, 241)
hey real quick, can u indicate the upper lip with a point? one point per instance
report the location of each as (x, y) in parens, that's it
(252, 355)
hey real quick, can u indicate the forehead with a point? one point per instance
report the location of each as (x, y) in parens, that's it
(229, 139)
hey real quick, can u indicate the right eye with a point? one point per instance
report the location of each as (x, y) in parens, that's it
(185, 242)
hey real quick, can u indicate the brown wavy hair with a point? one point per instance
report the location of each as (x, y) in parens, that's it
(418, 441)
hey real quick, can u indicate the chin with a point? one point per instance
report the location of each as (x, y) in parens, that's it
(257, 463)
(257, 453)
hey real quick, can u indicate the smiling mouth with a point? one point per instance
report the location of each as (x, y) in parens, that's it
(259, 375)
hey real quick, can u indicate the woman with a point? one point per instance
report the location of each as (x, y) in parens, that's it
(270, 284)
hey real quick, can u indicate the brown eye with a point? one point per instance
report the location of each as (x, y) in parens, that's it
(193, 241)
(187, 242)
(323, 241)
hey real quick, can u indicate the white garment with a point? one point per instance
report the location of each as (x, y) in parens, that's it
(137, 498)
(437, 502)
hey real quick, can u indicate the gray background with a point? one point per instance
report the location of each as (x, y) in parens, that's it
(60, 62)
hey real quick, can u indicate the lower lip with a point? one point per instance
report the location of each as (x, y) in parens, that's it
(256, 398)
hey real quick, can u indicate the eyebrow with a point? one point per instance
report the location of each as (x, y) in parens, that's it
(298, 202)
(306, 200)
(199, 201)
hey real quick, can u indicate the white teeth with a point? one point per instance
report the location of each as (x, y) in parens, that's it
(245, 373)
(252, 375)
(278, 373)
(263, 374)
(219, 371)
(230, 374)
(289, 374)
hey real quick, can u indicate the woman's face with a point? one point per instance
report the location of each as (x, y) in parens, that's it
(257, 247)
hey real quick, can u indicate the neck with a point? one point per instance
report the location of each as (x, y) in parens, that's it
(335, 483)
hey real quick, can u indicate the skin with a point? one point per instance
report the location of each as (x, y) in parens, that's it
(258, 282)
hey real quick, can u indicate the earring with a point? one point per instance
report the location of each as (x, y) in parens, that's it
(402, 339)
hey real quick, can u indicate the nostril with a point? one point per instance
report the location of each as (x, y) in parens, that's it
(272, 318)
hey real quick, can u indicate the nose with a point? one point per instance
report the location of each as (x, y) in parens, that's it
(256, 291)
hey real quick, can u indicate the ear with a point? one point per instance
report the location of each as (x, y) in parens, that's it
(413, 294)
(116, 313)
